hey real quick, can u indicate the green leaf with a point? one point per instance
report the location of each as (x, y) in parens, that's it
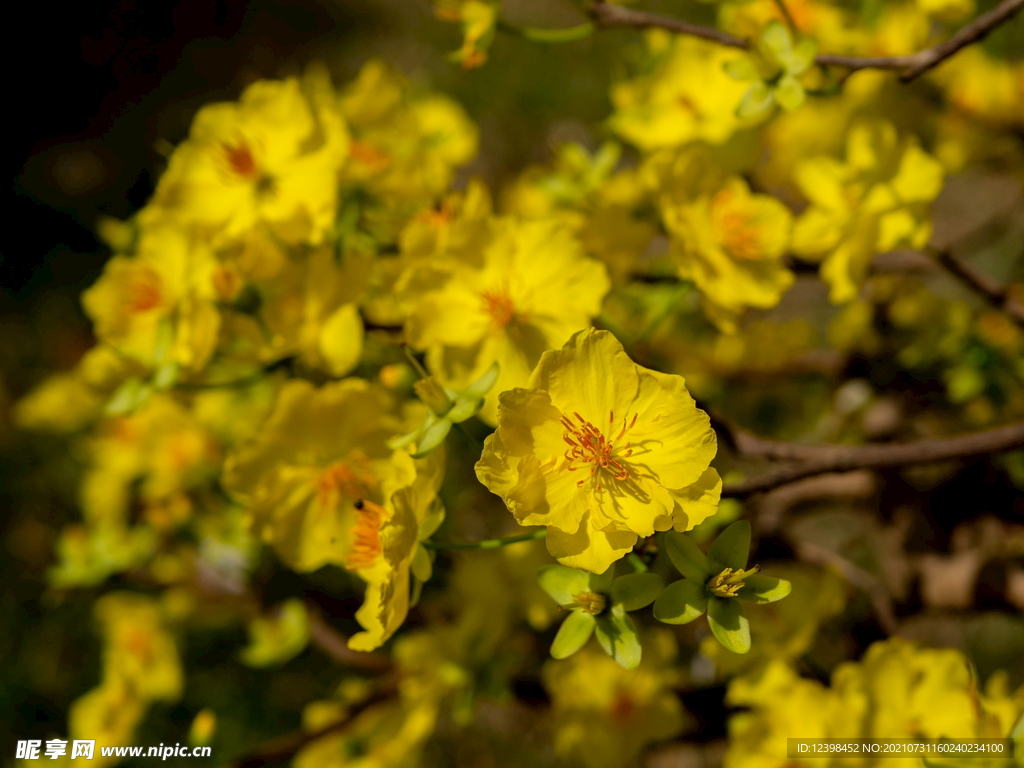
(777, 40)
(742, 69)
(681, 602)
(728, 624)
(422, 568)
(687, 557)
(617, 635)
(463, 409)
(479, 388)
(789, 93)
(562, 582)
(803, 56)
(758, 99)
(636, 590)
(764, 589)
(731, 548)
(432, 438)
(573, 634)
(602, 582)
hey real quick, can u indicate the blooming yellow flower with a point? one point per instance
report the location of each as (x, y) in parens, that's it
(875, 201)
(323, 488)
(687, 98)
(273, 157)
(600, 451)
(604, 715)
(534, 289)
(725, 239)
(107, 714)
(158, 306)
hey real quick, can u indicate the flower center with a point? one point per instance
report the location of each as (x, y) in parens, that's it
(736, 228)
(365, 536)
(240, 159)
(143, 290)
(588, 445)
(498, 304)
(589, 602)
(350, 477)
(622, 707)
(367, 154)
(729, 582)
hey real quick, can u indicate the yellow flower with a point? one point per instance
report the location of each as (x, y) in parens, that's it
(478, 20)
(324, 488)
(875, 201)
(603, 715)
(108, 714)
(137, 646)
(725, 239)
(534, 289)
(158, 306)
(600, 451)
(272, 157)
(87, 556)
(687, 98)
(278, 636)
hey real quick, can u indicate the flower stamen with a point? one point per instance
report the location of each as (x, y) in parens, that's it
(588, 445)
(366, 544)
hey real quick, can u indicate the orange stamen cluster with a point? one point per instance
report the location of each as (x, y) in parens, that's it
(240, 159)
(498, 304)
(351, 477)
(366, 545)
(588, 445)
(737, 231)
(143, 291)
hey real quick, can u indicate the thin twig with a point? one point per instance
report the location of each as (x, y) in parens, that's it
(489, 543)
(609, 15)
(784, 10)
(812, 460)
(983, 285)
(876, 592)
(335, 645)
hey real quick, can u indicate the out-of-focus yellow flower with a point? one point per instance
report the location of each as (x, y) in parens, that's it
(478, 20)
(534, 289)
(278, 636)
(109, 714)
(831, 25)
(603, 715)
(137, 646)
(158, 306)
(687, 98)
(947, 10)
(874, 201)
(601, 451)
(324, 488)
(87, 556)
(162, 445)
(982, 87)
(273, 157)
(725, 239)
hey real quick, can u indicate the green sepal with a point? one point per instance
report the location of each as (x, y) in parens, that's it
(728, 624)
(731, 548)
(129, 396)
(636, 590)
(789, 93)
(562, 582)
(617, 635)
(422, 567)
(687, 557)
(165, 376)
(681, 602)
(803, 56)
(573, 634)
(417, 590)
(602, 582)
(432, 438)
(743, 69)
(764, 589)
(758, 99)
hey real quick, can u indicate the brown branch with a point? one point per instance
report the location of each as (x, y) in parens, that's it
(280, 750)
(335, 645)
(609, 15)
(983, 285)
(810, 460)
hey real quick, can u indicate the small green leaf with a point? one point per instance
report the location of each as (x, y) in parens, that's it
(687, 557)
(464, 408)
(758, 99)
(764, 589)
(777, 39)
(479, 388)
(422, 568)
(731, 548)
(432, 438)
(803, 56)
(729, 625)
(602, 582)
(789, 93)
(636, 590)
(681, 602)
(742, 69)
(617, 635)
(573, 634)
(562, 582)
